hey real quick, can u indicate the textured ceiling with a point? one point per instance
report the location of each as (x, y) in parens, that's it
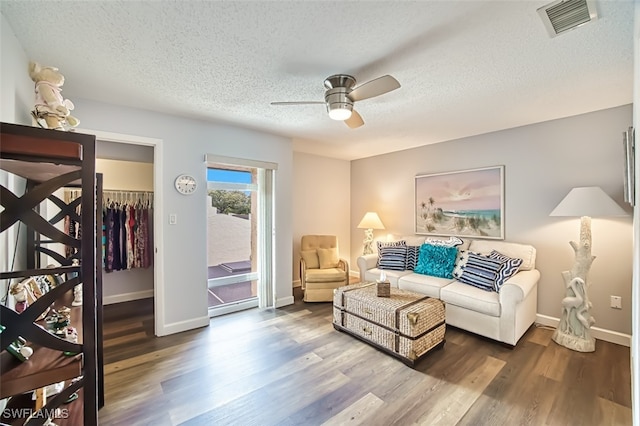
(466, 67)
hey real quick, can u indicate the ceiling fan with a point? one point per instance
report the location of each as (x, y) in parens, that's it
(341, 94)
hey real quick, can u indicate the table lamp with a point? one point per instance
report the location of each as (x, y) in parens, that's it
(574, 329)
(369, 222)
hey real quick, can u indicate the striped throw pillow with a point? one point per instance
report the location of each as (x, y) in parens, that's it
(509, 268)
(392, 258)
(382, 244)
(413, 253)
(481, 271)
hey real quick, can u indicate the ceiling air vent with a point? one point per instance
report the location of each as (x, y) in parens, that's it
(561, 16)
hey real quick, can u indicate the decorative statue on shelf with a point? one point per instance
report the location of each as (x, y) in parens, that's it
(20, 293)
(51, 110)
(18, 348)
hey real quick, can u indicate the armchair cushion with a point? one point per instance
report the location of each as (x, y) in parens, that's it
(310, 258)
(327, 275)
(328, 257)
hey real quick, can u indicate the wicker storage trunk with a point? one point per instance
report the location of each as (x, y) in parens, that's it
(406, 325)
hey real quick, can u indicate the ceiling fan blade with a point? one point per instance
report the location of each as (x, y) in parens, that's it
(354, 121)
(377, 87)
(298, 103)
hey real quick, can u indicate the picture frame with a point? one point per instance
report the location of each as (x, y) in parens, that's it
(628, 144)
(466, 203)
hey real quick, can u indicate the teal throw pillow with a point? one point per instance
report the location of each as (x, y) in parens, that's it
(437, 261)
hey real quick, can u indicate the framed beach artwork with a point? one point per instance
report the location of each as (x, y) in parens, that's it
(463, 203)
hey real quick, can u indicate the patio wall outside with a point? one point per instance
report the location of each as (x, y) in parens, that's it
(232, 237)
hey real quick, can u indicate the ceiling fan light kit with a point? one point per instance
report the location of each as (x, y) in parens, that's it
(341, 94)
(339, 106)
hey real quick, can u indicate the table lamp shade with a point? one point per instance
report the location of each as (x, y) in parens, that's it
(370, 221)
(589, 201)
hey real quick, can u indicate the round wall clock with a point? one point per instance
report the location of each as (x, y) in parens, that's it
(186, 184)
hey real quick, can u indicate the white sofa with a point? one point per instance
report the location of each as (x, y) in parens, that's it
(503, 316)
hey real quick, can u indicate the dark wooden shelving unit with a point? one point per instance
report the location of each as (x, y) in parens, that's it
(49, 160)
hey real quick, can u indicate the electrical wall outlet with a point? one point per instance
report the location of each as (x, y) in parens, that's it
(616, 302)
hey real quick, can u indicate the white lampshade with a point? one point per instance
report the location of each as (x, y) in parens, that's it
(589, 201)
(371, 221)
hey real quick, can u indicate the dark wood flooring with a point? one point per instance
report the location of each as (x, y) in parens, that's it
(288, 366)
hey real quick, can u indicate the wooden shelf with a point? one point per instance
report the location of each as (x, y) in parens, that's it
(20, 406)
(50, 160)
(40, 143)
(44, 367)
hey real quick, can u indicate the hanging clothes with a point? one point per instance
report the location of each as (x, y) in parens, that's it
(127, 231)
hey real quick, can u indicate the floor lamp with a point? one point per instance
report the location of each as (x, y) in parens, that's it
(574, 330)
(369, 222)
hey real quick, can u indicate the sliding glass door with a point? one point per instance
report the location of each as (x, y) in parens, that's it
(239, 231)
(231, 238)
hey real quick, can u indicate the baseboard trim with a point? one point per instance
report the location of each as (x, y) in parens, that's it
(178, 327)
(289, 300)
(127, 297)
(598, 333)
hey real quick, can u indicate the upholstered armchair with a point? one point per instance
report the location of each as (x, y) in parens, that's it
(321, 269)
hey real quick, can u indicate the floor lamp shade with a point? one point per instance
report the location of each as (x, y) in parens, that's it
(589, 201)
(574, 328)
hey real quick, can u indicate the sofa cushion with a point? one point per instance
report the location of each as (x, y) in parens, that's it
(472, 298)
(393, 258)
(423, 284)
(328, 257)
(525, 252)
(481, 271)
(310, 258)
(509, 268)
(437, 261)
(392, 276)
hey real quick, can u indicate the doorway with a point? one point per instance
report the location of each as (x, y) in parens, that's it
(239, 235)
(232, 214)
(116, 146)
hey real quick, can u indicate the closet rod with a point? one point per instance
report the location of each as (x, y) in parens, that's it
(127, 196)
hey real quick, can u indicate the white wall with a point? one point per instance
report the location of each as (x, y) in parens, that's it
(16, 99)
(542, 163)
(182, 248)
(321, 202)
(16, 85)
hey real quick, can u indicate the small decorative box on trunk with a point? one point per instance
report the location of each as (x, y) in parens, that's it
(384, 288)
